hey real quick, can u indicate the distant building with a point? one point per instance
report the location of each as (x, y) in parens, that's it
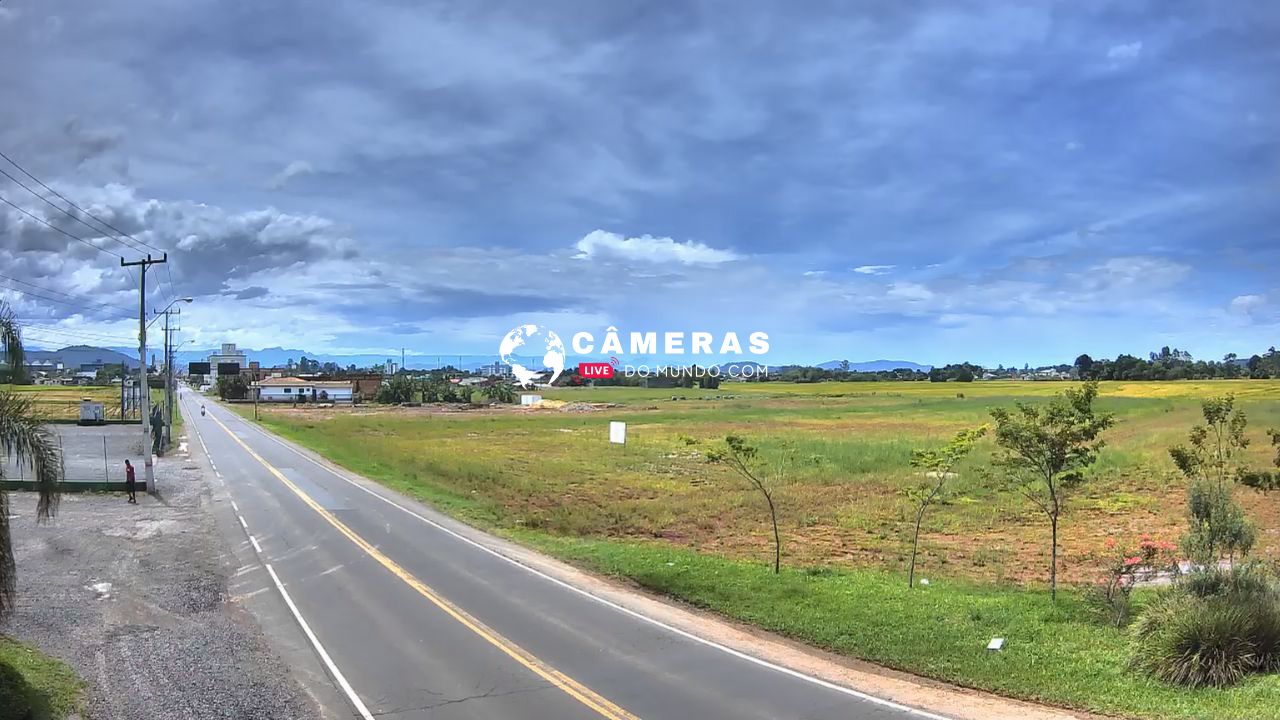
(293, 389)
(497, 369)
(229, 354)
(45, 366)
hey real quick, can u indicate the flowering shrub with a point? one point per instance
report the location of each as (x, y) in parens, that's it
(1128, 564)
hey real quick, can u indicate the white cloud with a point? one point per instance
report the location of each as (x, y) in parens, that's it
(1245, 304)
(646, 248)
(1072, 146)
(1126, 51)
(1140, 271)
(290, 171)
(910, 292)
(815, 273)
(873, 269)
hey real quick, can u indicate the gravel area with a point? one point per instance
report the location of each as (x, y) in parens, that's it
(136, 598)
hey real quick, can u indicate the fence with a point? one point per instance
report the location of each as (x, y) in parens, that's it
(92, 457)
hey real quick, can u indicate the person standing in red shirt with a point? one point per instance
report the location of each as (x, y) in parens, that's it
(130, 483)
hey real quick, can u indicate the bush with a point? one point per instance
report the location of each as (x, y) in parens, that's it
(1128, 565)
(1247, 580)
(1212, 630)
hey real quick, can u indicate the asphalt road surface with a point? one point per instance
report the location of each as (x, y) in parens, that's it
(415, 617)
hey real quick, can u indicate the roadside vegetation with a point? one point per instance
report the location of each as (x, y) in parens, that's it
(837, 462)
(31, 685)
(34, 686)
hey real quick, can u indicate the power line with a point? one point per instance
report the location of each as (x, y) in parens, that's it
(47, 330)
(59, 292)
(55, 228)
(120, 233)
(53, 299)
(64, 211)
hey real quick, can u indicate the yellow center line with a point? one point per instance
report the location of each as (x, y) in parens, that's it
(573, 688)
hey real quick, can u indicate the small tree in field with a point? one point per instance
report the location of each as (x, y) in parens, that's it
(1217, 526)
(938, 465)
(743, 458)
(1046, 450)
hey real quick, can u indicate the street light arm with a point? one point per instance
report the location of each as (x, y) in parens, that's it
(158, 313)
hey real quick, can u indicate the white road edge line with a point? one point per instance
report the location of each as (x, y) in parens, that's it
(234, 506)
(315, 642)
(341, 679)
(609, 603)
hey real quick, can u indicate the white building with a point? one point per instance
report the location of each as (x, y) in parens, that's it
(292, 389)
(229, 354)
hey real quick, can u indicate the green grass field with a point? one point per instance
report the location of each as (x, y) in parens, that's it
(35, 686)
(549, 478)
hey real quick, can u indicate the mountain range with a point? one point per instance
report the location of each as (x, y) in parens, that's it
(875, 365)
(73, 356)
(76, 355)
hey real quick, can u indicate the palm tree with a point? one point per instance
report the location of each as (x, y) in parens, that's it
(24, 438)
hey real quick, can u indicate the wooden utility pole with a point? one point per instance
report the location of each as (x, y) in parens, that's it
(144, 398)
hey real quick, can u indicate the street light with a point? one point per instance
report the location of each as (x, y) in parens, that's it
(168, 363)
(166, 308)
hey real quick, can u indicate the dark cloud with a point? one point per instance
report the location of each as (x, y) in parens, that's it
(250, 293)
(389, 168)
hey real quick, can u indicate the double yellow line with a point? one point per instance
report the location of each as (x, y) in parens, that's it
(573, 688)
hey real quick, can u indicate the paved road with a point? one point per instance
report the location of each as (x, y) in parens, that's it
(415, 619)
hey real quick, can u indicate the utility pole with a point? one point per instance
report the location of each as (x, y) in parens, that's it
(168, 372)
(144, 398)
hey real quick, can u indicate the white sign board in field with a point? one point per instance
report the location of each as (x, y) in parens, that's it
(530, 399)
(618, 433)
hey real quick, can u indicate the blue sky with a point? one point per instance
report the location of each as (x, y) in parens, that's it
(999, 182)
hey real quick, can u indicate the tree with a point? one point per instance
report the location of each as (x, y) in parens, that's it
(1084, 366)
(107, 373)
(1046, 450)
(397, 389)
(939, 465)
(26, 442)
(15, 370)
(1217, 526)
(500, 392)
(231, 387)
(743, 458)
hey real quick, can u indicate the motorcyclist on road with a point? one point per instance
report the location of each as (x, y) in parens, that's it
(202, 409)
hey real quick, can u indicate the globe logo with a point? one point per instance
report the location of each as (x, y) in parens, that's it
(532, 339)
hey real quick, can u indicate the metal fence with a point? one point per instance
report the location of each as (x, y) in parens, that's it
(91, 455)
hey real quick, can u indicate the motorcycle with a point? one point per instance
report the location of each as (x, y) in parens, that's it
(201, 411)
